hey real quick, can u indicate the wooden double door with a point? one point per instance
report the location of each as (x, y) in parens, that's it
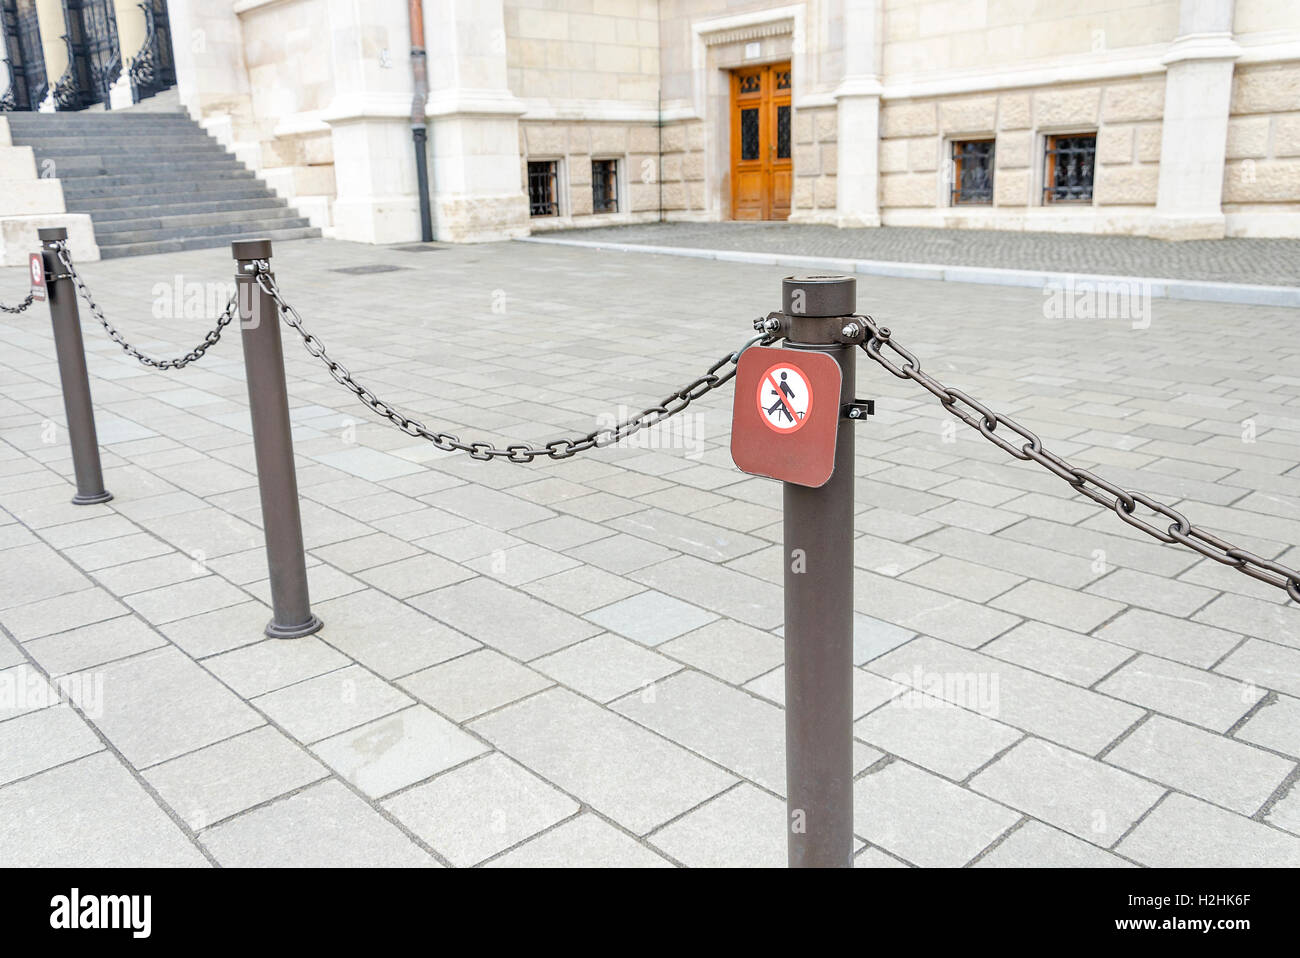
(762, 169)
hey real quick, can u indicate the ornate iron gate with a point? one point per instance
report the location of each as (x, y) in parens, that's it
(26, 67)
(153, 68)
(94, 59)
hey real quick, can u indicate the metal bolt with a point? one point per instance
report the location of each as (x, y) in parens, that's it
(850, 331)
(854, 413)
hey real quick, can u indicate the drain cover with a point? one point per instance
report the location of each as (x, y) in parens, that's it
(377, 268)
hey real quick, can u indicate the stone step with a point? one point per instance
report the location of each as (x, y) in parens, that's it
(204, 242)
(124, 147)
(71, 168)
(175, 227)
(260, 203)
(148, 183)
(199, 193)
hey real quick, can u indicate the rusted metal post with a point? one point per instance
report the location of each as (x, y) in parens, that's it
(71, 351)
(277, 479)
(819, 603)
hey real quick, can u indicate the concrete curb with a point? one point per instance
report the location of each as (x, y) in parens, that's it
(1157, 288)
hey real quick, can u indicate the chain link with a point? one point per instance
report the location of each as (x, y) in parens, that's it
(180, 362)
(1125, 503)
(715, 376)
(20, 307)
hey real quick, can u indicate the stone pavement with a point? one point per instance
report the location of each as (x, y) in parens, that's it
(579, 662)
(1265, 262)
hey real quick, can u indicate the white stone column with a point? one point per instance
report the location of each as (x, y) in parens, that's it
(131, 31)
(369, 119)
(857, 99)
(473, 124)
(1194, 136)
(211, 76)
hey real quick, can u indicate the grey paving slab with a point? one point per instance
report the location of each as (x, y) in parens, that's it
(214, 783)
(498, 616)
(1035, 845)
(473, 684)
(742, 828)
(1074, 792)
(1036, 703)
(935, 734)
(1185, 832)
(1264, 664)
(1163, 635)
(650, 617)
(389, 636)
(480, 809)
(331, 703)
(43, 739)
(86, 814)
(622, 770)
(1203, 698)
(158, 705)
(274, 663)
(744, 734)
(1276, 725)
(91, 645)
(61, 613)
(397, 750)
(1234, 775)
(924, 819)
(324, 826)
(582, 842)
(729, 650)
(1057, 652)
(606, 667)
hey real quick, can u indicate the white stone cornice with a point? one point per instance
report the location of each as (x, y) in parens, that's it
(861, 85)
(359, 106)
(462, 101)
(1202, 46)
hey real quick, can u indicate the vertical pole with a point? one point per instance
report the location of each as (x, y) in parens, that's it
(819, 606)
(62, 295)
(277, 480)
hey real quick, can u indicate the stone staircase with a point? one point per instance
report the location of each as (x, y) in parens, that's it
(153, 182)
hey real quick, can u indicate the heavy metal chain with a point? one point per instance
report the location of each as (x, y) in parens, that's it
(1125, 503)
(180, 362)
(20, 307)
(716, 375)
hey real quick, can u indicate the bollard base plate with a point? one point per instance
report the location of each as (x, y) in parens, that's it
(311, 626)
(93, 499)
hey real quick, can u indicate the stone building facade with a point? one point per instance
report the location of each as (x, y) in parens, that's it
(1168, 118)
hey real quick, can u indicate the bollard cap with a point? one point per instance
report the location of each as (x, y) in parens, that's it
(251, 249)
(49, 234)
(819, 295)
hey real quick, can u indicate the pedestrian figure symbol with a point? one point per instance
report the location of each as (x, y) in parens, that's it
(784, 398)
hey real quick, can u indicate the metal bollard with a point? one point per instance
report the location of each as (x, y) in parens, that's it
(62, 295)
(277, 479)
(819, 604)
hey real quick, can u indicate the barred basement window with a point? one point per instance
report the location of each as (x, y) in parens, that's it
(543, 191)
(1067, 170)
(972, 172)
(604, 186)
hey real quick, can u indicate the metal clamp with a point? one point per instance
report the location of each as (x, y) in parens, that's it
(858, 409)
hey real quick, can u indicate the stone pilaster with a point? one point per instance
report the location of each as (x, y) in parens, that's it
(473, 124)
(1198, 94)
(369, 120)
(857, 102)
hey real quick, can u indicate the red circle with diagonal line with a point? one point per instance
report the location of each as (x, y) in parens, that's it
(785, 399)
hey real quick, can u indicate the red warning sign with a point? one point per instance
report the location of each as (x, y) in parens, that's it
(786, 415)
(36, 266)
